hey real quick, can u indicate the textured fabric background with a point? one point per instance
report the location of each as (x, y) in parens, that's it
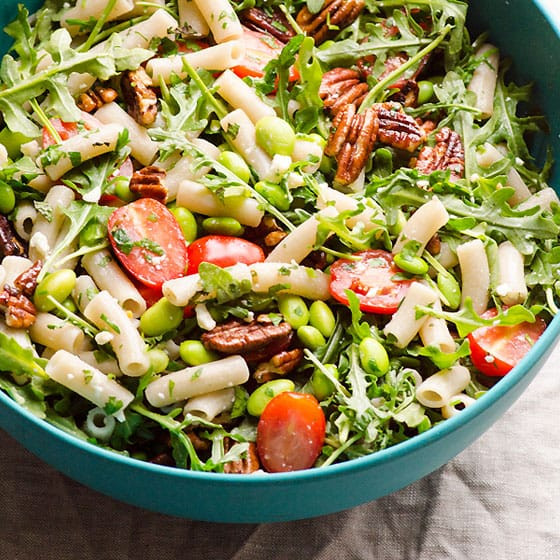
(498, 500)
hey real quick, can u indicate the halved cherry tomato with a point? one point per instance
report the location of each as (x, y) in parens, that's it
(291, 432)
(222, 250)
(148, 242)
(371, 278)
(65, 130)
(496, 350)
(260, 48)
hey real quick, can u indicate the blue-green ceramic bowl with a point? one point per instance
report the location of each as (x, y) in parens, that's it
(529, 33)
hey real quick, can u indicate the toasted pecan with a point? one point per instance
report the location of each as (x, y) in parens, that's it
(19, 309)
(274, 23)
(148, 183)
(139, 95)
(246, 465)
(26, 282)
(341, 87)
(396, 128)
(280, 364)
(9, 242)
(95, 98)
(447, 154)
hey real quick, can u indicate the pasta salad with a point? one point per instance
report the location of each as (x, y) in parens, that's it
(264, 235)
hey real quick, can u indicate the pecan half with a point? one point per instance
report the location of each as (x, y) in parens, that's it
(26, 282)
(95, 98)
(148, 183)
(341, 87)
(407, 93)
(334, 16)
(396, 128)
(9, 243)
(352, 141)
(280, 364)
(448, 153)
(255, 341)
(20, 311)
(275, 24)
(267, 234)
(139, 96)
(247, 465)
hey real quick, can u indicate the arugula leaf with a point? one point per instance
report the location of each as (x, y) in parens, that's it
(18, 360)
(442, 360)
(220, 285)
(24, 397)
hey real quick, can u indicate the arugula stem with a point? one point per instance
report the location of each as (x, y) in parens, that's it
(315, 361)
(98, 26)
(291, 20)
(116, 29)
(83, 251)
(45, 121)
(550, 301)
(335, 454)
(159, 7)
(88, 328)
(371, 97)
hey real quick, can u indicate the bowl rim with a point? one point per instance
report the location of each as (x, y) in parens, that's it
(440, 431)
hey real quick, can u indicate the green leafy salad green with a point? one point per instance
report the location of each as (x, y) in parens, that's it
(264, 235)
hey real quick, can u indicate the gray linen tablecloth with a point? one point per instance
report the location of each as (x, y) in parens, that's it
(499, 499)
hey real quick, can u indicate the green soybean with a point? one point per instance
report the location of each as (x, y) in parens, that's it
(425, 425)
(373, 356)
(311, 337)
(223, 226)
(236, 164)
(294, 310)
(425, 91)
(7, 198)
(322, 318)
(58, 285)
(187, 222)
(93, 234)
(321, 385)
(261, 396)
(449, 288)
(274, 194)
(411, 263)
(275, 136)
(193, 353)
(162, 317)
(383, 162)
(158, 359)
(122, 189)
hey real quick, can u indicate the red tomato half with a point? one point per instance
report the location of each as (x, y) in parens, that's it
(371, 279)
(496, 350)
(65, 130)
(290, 433)
(261, 48)
(148, 242)
(222, 250)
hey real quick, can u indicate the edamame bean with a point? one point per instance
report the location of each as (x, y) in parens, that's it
(93, 234)
(294, 310)
(58, 285)
(7, 198)
(274, 194)
(261, 396)
(311, 337)
(193, 353)
(322, 318)
(69, 304)
(425, 425)
(223, 226)
(411, 263)
(236, 164)
(275, 136)
(122, 188)
(450, 290)
(187, 222)
(373, 356)
(383, 162)
(158, 359)
(162, 317)
(321, 385)
(425, 91)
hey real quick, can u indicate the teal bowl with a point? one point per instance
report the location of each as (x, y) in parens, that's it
(529, 33)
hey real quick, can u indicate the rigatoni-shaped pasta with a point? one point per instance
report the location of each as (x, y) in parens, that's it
(221, 18)
(305, 150)
(200, 199)
(543, 199)
(57, 334)
(437, 390)
(92, 9)
(511, 288)
(404, 325)
(217, 57)
(140, 8)
(190, 18)
(490, 155)
(198, 380)
(451, 409)
(298, 280)
(103, 362)
(242, 96)
(78, 149)
(142, 147)
(25, 216)
(475, 274)
(89, 382)
(242, 135)
(435, 332)
(105, 312)
(84, 291)
(208, 406)
(485, 77)
(422, 225)
(107, 275)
